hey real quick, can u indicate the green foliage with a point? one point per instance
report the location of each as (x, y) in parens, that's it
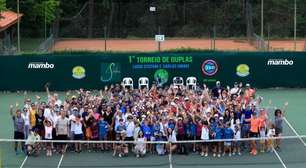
(176, 18)
(2, 5)
(46, 10)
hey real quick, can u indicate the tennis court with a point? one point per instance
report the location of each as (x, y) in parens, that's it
(291, 155)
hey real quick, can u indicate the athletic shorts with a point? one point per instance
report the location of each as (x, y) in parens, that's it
(78, 136)
(18, 135)
(205, 143)
(278, 131)
(253, 134)
(62, 137)
(227, 143)
(129, 139)
(102, 137)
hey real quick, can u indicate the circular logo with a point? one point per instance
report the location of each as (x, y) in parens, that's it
(243, 70)
(161, 76)
(209, 67)
(78, 72)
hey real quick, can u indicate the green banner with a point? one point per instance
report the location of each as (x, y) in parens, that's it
(95, 70)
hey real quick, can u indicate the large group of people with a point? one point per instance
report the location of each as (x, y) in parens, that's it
(169, 114)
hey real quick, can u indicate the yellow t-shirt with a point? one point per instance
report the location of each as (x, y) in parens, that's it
(32, 117)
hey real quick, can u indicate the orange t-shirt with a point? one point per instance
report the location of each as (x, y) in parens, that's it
(254, 125)
(262, 122)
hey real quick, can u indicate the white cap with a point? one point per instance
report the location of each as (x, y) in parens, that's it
(221, 118)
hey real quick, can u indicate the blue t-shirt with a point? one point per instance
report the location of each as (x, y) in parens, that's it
(247, 115)
(228, 133)
(219, 133)
(120, 128)
(193, 129)
(123, 109)
(146, 131)
(156, 128)
(103, 128)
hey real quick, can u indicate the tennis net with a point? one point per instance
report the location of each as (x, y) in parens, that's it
(185, 153)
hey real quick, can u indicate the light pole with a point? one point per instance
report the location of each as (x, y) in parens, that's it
(262, 20)
(18, 28)
(294, 25)
(45, 12)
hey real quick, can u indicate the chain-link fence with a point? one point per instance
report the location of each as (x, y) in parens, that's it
(278, 25)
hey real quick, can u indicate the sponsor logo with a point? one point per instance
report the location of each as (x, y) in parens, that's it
(280, 62)
(40, 65)
(161, 77)
(243, 70)
(209, 67)
(78, 72)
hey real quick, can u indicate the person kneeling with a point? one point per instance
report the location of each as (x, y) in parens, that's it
(140, 147)
(32, 146)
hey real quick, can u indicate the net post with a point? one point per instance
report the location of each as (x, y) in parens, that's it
(105, 34)
(158, 41)
(1, 166)
(170, 156)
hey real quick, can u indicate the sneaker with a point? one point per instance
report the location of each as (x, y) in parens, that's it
(206, 154)
(214, 155)
(137, 156)
(229, 154)
(202, 154)
(50, 153)
(120, 155)
(219, 155)
(233, 153)
(239, 153)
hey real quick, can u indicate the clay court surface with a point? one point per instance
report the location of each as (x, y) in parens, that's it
(148, 45)
(287, 45)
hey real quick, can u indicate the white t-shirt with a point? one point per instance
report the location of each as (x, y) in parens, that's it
(235, 90)
(172, 138)
(77, 129)
(72, 124)
(271, 132)
(47, 113)
(237, 135)
(205, 133)
(140, 145)
(130, 127)
(58, 102)
(26, 117)
(48, 132)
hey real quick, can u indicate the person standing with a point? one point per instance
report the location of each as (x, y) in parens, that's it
(278, 122)
(62, 129)
(19, 123)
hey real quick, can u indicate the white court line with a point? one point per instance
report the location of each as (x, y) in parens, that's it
(279, 158)
(24, 161)
(295, 132)
(60, 162)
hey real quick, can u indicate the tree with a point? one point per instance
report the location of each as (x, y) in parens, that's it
(46, 9)
(2, 5)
